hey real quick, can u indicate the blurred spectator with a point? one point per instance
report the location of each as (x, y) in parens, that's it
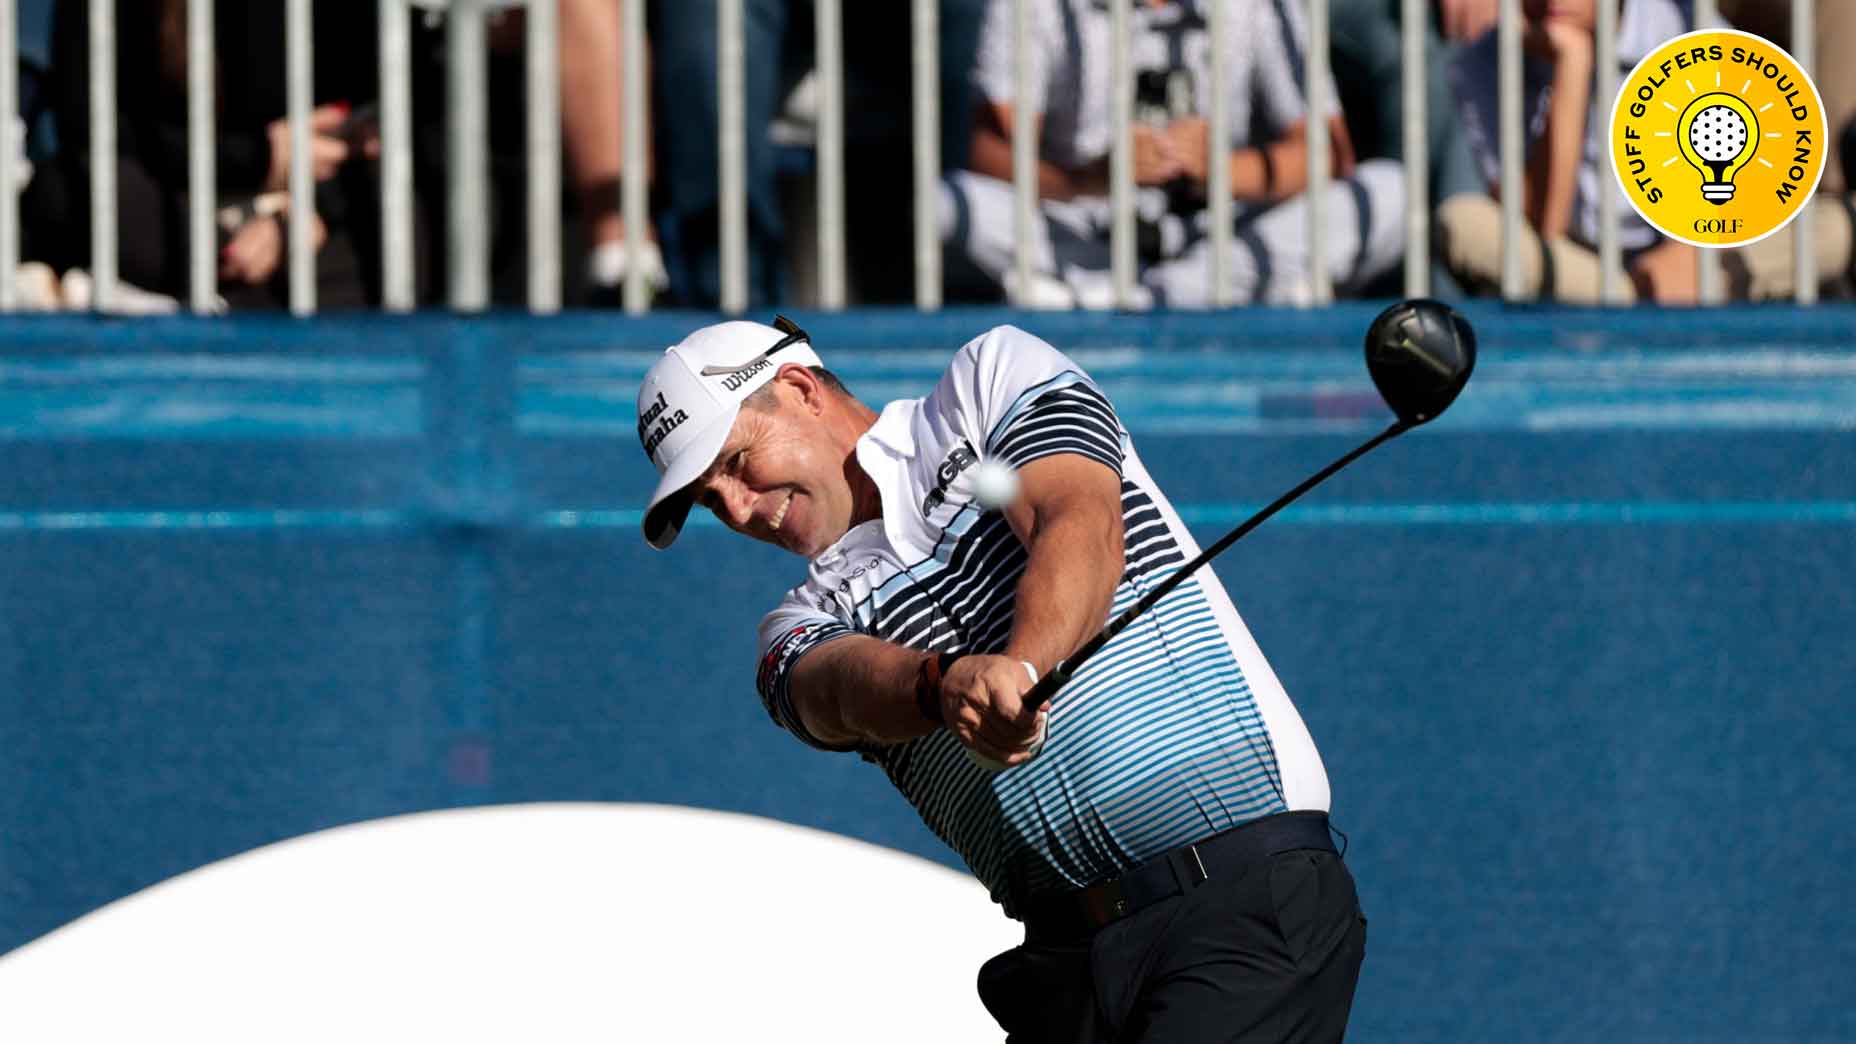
(1567, 163)
(252, 154)
(1366, 56)
(1833, 37)
(1764, 269)
(1270, 259)
(592, 74)
(593, 133)
(878, 118)
(1568, 166)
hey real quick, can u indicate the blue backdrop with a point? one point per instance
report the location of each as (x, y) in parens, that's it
(1578, 656)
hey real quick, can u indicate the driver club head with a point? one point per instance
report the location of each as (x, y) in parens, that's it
(1420, 353)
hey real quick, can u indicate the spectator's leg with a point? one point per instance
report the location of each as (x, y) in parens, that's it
(684, 67)
(1667, 274)
(1835, 77)
(1271, 259)
(1069, 252)
(1469, 234)
(1368, 63)
(1763, 271)
(593, 132)
(1364, 56)
(879, 133)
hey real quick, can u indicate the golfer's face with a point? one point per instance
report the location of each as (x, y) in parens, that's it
(778, 479)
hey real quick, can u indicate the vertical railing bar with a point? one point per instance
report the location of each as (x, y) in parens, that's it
(925, 71)
(1025, 113)
(1218, 164)
(829, 40)
(1121, 158)
(299, 59)
(103, 231)
(633, 179)
(1710, 279)
(544, 157)
(9, 174)
(1804, 254)
(1610, 251)
(1320, 280)
(1414, 23)
(468, 177)
(1508, 94)
(731, 151)
(202, 170)
(398, 292)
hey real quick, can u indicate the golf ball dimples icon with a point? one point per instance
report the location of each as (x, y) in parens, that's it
(1718, 135)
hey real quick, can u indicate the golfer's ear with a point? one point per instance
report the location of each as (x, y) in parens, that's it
(802, 380)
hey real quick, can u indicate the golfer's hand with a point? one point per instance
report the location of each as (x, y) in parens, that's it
(983, 703)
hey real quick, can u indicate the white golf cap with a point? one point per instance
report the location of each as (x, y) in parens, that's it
(688, 403)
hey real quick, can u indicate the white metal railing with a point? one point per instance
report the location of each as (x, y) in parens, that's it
(1710, 280)
(925, 81)
(9, 175)
(202, 175)
(102, 143)
(1511, 145)
(1610, 257)
(632, 177)
(468, 169)
(399, 291)
(1416, 147)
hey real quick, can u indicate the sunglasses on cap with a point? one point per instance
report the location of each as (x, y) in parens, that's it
(794, 335)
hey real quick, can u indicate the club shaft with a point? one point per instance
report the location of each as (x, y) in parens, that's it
(1048, 685)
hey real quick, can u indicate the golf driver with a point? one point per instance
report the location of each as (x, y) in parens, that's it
(1420, 353)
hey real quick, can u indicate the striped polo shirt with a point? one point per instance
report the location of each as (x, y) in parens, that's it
(1176, 730)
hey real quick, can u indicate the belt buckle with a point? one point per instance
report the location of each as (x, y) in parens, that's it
(1105, 903)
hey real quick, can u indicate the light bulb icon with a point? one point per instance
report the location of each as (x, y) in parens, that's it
(1718, 134)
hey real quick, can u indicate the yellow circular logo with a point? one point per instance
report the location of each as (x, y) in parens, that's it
(1718, 138)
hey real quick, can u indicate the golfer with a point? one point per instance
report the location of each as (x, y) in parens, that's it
(1160, 827)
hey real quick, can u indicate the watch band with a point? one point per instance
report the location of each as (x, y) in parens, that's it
(928, 684)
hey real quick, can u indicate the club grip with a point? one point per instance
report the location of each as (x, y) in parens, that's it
(1038, 695)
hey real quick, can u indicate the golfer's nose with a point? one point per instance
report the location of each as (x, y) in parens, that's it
(737, 503)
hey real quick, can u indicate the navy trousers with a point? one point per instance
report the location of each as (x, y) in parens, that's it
(1269, 952)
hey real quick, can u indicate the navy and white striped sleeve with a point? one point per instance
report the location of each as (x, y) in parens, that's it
(1026, 400)
(786, 634)
(1074, 418)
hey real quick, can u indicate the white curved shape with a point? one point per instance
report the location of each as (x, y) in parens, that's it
(555, 922)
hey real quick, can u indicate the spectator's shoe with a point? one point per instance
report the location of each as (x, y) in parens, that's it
(79, 292)
(1043, 293)
(609, 264)
(797, 123)
(36, 288)
(1096, 292)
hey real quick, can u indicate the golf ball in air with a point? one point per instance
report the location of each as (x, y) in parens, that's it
(995, 484)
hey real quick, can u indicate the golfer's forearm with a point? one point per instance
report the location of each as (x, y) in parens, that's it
(1075, 563)
(859, 690)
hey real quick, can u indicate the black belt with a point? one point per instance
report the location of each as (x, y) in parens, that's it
(1080, 913)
